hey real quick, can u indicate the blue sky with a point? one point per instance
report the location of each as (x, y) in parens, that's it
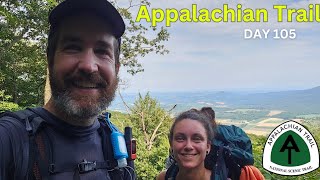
(215, 56)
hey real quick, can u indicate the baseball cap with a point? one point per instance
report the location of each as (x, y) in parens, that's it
(102, 8)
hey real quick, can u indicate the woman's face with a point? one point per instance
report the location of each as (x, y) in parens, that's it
(190, 143)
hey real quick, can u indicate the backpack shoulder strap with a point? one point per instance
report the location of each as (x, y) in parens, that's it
(105, 133)
(219, 169)
(106, 128)
(172, 172)
(32, 122)
(28, 117)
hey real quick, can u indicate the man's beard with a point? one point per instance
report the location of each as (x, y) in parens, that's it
(70, 106)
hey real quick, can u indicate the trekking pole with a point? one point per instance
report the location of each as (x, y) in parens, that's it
(130, 143)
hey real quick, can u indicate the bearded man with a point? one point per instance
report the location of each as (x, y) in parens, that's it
(64, 139)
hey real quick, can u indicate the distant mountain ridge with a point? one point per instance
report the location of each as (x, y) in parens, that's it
(298, 101)
(306, 101)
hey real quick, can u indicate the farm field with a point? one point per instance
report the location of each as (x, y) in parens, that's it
(262, 126)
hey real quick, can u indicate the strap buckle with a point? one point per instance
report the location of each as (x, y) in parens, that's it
(87, 166)
(52, 168)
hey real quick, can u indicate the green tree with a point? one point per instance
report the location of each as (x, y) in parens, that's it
(151, 126)
(22, 44)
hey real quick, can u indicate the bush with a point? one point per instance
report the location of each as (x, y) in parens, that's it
(8, 106)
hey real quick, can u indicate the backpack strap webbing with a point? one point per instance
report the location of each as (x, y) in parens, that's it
(172, 172)
(220, 169)
(105, 133)
(109, 162)
(32, 123)
(40, 153)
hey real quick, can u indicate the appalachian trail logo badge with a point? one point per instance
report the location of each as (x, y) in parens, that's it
(290, 150)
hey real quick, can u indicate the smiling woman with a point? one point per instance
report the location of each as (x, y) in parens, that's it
(190, 142)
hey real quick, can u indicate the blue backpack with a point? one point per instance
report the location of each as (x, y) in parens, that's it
(231, 149)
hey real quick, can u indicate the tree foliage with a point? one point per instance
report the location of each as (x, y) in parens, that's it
(22, 45)
(150, 118)
(135, 42)
(150, 125)
(7, 106)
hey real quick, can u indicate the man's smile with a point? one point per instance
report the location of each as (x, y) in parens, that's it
(86, 85)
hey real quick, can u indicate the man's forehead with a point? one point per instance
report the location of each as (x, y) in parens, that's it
(79, 37)
(85, 23)
(75, 32)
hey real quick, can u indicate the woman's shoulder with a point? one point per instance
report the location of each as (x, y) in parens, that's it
(161, 175)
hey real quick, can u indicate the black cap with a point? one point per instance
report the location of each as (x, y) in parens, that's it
(102, 8)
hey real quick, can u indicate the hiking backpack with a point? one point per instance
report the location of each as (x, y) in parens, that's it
(41, 166)
(231, 150)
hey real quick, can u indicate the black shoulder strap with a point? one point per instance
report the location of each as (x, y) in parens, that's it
(105, 132)
(32, 122)
(172, 172)
(220, 169)
(22, 116)
(114, 171)
(28, 118)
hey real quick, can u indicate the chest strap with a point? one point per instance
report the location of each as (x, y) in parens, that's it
(82, 167)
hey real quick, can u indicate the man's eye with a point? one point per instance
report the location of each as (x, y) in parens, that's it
(102, 51)
(72, 48)
(105, 54)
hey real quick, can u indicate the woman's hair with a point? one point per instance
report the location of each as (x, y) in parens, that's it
(196, 115)
(209, 112)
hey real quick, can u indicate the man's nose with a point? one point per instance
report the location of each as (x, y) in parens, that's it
(88, 62)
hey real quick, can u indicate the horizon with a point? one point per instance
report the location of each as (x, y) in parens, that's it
(241, 90)
(294, 101)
